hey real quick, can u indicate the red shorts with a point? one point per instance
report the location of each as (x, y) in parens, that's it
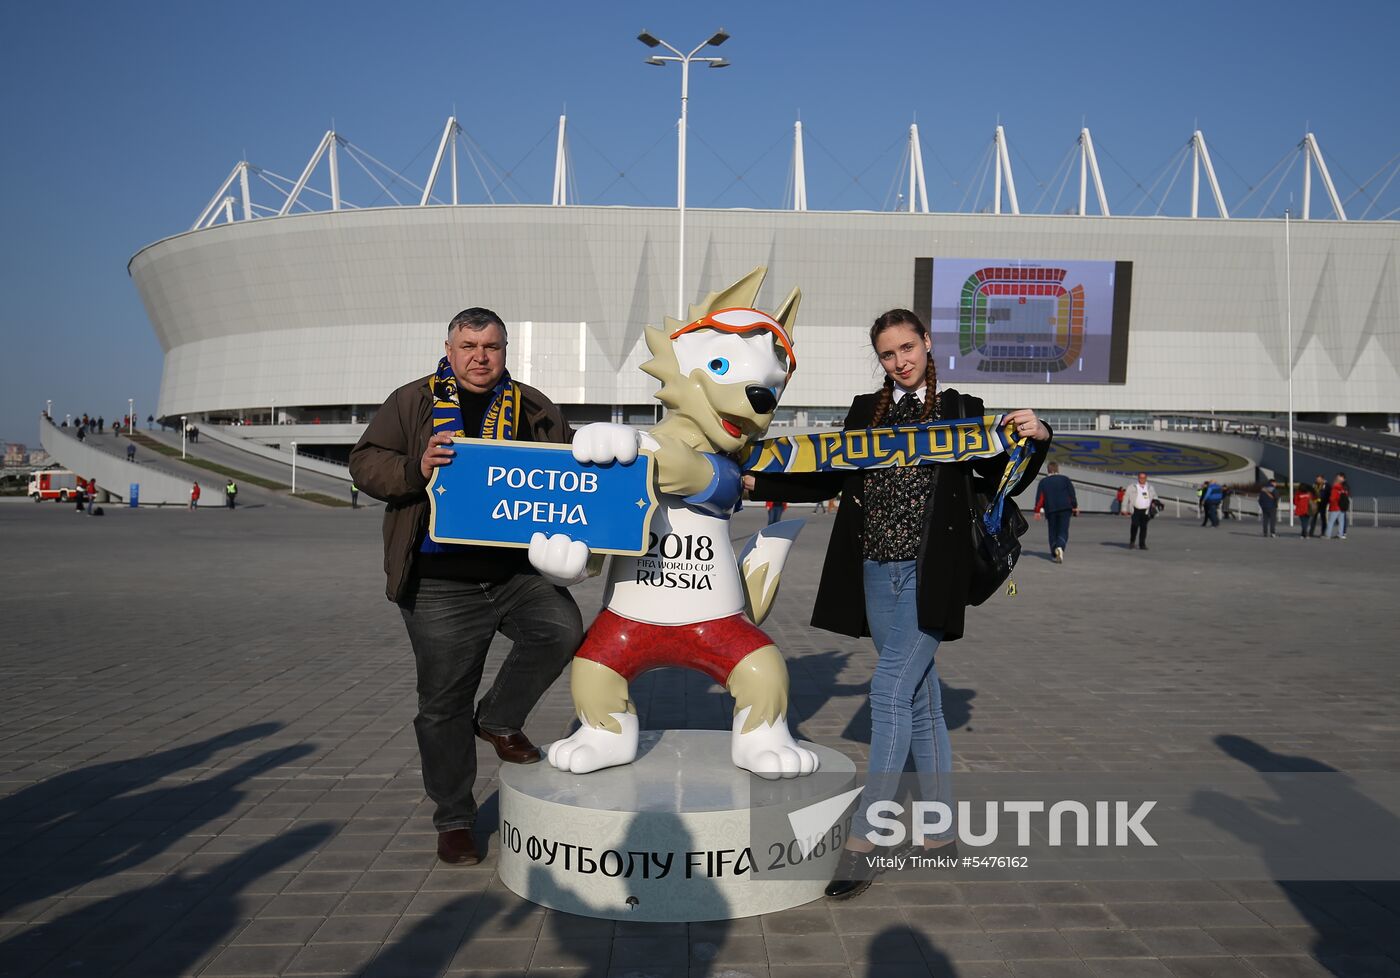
(630, 648)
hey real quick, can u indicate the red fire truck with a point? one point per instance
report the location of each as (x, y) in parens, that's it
(59, 484)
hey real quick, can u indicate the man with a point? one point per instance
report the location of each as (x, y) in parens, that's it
(1210, 499)
(354, 496)
(1338, 504)
(454, 598)
(1318, 510)
(231, 493)
(194, 497)
(1142, 495)
(1268, 508)
(1056, 497)
(130, 452)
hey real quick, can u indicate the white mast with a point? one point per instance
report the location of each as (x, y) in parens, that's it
(449, 135)
(918, 189)
(1200, 156)
(1089, 164)
(217, 200)
(1313, 154)
(561, 193)
(1003, 169)
(291, 200)
(799, 169)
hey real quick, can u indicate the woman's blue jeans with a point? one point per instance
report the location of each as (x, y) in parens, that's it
(906, 702)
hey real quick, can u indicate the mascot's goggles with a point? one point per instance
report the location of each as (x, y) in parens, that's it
(741, 319)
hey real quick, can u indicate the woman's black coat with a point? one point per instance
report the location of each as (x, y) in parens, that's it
(945, 544)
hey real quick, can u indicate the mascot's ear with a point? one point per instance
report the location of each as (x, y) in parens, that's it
(742, 294)
(787, 312)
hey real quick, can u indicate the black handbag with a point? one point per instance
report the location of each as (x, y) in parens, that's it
(994, 555)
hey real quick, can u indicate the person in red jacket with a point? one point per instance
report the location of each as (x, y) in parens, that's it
(1302, 503)
(194, 496)
(1337, 501)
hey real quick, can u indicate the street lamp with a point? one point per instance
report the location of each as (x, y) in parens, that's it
(182, 435)
(684, 60)
(48, 409)
(130, 415)
(273, 418)
(294, 468)
(1288, 317)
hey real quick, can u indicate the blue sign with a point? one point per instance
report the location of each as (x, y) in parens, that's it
(500, 493)
(134, 495)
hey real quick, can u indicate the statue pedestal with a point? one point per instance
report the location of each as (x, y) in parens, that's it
(680, 834)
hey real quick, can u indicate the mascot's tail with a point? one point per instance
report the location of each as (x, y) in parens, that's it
(761, 565)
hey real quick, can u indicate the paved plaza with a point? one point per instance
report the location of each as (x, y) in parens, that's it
(207, 759)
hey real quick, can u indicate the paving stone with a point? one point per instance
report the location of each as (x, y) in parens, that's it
(269, 789)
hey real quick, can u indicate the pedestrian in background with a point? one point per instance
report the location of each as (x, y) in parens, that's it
(130, 452)
(1142, 494)
(1338, 501)
(775, 511)
(354, 496)
(1268, 508)
(1210, 502)
(231, 493)
(1056, 497)
(194, 497)
(1303, 502)
(1116, 507)
(1318, 510)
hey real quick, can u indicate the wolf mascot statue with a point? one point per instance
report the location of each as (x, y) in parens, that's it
(683, 602)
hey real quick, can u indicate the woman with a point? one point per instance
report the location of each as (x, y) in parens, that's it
(897, 568)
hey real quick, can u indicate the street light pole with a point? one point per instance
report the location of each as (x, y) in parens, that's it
(684, 60)
(1288, 316)
(130, 415)
(182, 435)
(294, 468)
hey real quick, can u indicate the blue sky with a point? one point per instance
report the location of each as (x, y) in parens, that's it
(120, 120)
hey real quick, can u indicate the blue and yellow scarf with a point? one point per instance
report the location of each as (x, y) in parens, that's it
(932, 443)
(497, 423)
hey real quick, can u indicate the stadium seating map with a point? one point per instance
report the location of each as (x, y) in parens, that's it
(1023, 321)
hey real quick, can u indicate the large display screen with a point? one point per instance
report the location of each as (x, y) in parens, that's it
(1026, 321)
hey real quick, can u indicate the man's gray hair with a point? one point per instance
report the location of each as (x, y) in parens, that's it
(475, 319)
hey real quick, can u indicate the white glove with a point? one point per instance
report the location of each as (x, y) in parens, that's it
(602, 442)
(560, 559)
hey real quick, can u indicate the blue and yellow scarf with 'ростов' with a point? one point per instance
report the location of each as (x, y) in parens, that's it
(921, 444)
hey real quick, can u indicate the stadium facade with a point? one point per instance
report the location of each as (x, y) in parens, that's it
(314, 317)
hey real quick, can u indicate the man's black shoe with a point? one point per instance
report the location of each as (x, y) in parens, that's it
(457, 846)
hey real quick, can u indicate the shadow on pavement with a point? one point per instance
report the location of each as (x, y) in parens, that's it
(87, 824)
(1358, 932)
(129, 930)
(901, 950)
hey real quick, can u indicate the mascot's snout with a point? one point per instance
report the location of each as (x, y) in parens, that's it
(762, 398)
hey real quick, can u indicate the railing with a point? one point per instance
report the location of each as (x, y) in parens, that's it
(1377, 451)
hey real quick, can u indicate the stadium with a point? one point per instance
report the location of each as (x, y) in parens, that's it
(308, 313)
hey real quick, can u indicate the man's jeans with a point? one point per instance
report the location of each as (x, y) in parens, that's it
(1335, 526)
(1058, 525)
(1212, 514)
(906, 702)
(1268, 519)
(451, 625)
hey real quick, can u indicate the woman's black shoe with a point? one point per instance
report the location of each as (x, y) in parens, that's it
(853, 874)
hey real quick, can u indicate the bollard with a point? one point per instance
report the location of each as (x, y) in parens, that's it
(133, 495)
